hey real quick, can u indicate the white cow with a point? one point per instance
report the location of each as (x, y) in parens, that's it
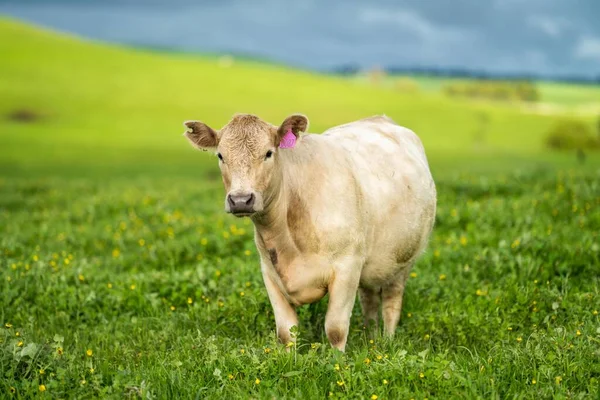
(343, 212)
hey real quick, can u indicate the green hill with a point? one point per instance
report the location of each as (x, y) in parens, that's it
(69, 106)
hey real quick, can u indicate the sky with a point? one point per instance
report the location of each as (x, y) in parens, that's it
(548, 37)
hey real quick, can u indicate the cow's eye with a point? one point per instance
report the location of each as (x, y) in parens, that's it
(269, 154)
(220, 156)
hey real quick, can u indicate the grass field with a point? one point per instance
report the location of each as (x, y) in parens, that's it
(120, 276)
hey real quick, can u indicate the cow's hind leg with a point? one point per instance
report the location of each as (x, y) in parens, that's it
(370, 300)
(392, 303)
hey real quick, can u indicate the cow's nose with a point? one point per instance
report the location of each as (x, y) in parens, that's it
(241, 203)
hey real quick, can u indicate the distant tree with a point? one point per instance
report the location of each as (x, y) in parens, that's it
(571, 134)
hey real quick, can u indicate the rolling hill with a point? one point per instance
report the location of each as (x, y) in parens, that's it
(70, 106)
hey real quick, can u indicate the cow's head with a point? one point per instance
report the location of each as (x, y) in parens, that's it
(247, 148)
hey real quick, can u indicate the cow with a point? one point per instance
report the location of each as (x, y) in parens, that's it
(343, 212)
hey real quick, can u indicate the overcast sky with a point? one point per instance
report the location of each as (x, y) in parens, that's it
(539, 36)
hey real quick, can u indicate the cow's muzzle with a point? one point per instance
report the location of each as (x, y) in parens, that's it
(241, 205)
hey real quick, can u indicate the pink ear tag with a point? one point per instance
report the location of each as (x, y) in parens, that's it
(288, 140)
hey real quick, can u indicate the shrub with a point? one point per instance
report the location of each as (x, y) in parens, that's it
(569, 134)
(494, 90)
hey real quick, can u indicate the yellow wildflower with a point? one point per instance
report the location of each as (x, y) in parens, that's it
(42, 388)
(132, 287)
(558, 380)
(89, 352)
(340, 383)
(421, 375)
(17, 334)
(533, 381)
(374, 397)
(519, 339)
(59, 351)
(8, 325)
(81, 278)
(42, 371)
(204, 241)
(189, 300)
(336, 367)
(230, 377)
(242, 294)
(442, 277)
(217, 273)
(463, 240)
(109, 285)
(116, 253)
(379, 357)
(290, 344)
(578, 332)
(413, 274)
(20, 344)
(595, 312)
(257, 381)
(172, 308)
(267, 350)
(385, 382)
(367, 361)
(242, 351)
(141, 242)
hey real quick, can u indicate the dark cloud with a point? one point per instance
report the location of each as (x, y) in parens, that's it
(542, 36)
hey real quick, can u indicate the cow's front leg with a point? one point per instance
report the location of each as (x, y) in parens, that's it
(285, 314)
(342, 294)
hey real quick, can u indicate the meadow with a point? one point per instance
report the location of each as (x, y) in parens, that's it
(121, 276)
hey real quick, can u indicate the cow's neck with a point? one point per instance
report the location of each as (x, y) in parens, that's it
(272, 224)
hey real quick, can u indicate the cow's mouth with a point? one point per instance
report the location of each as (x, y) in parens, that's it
(242, 214)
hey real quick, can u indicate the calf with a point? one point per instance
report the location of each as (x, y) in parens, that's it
(343, 212)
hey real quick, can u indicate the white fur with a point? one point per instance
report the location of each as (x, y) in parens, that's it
(370, 201)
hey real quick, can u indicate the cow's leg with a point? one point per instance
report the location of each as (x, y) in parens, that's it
(285, 314)
(342, 294)
(370, 300)
(392, 304)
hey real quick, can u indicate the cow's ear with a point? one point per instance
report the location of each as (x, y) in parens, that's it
(201, 135)
(295, 123)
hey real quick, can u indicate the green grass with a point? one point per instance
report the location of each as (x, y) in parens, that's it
(113, 239)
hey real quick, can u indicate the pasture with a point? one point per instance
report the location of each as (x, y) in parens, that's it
(121, 276)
